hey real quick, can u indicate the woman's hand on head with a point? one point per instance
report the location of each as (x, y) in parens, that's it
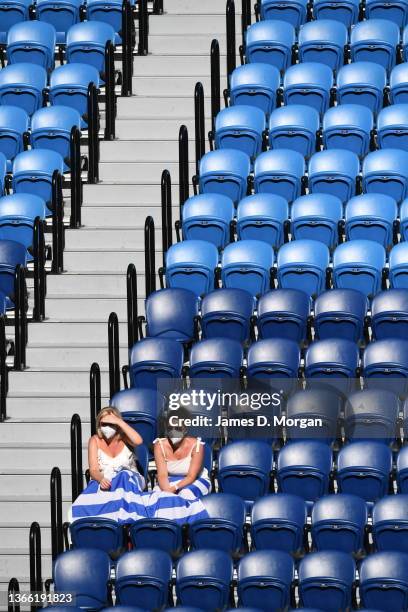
(105, 484)
(112, 419)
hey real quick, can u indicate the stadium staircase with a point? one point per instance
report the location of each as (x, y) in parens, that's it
(60, 350)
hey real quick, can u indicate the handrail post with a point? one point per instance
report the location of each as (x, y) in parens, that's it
(3, 371)
(35, 562)
(110, 96)
(76, 457)
(93, 135)
(143, 47)
(215, 81)
(57, 542)
(127, 51)
(246, 18)
(199, 123)
(39, 270)
(20, 318)
(158, 7)
(57, 224)
(114, 359)
(167, 220)
(76, 184)
(183, 167)
(13, 589)
(231, 43)
(150, 256)
(132, 311)
(94, 394)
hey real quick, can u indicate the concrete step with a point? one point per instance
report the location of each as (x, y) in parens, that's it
(177, 65)
(125, 237)
(180, 24)
(25, 433)
(48, 381)
(143, 150)
(18, 565)
(209, 7)
(113, 216)
(109, 194)
(73, 283)
(138, 172)
(168, 86)
(154, 107)
(43, 357)
(198, 44)
(63, 332)
(17, 538)
(156, 129)
(57, 408)
(86, 308)
(87, 260)
(32, 459)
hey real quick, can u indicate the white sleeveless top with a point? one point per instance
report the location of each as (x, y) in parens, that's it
(180, 467)
(110, 466)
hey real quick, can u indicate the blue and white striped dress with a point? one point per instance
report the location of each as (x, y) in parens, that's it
(126, 502)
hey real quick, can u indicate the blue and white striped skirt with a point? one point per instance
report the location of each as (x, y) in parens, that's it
(126, 502)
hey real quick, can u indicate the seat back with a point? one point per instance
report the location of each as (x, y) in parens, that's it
(143, 576)
(208, 217)
(323, 41)
(62, 14)
(240, 128)
(255, 85)
(398, 266)
(32, 42)
(86, 43)
(225, 172)
(247, 265)
(14, 123)
(348, 127)
(216, 358)
(293, 12)
(302, 264)
(270, 42)
(140, 408)
(316, 216)
(226, 313)
(191, 265)
(359, 264)
(171, 313)
(334, 172)
(69, 87)
(390, 523)
(385, 171)
(22, 85)
(383, 580)
(279, 172)
(338, 523)
(153, 360)
(389, 314)
(97, 532)
(375, 40)
(373, 415)
(17, 216)
(277, 523)
(262, 217)
(340, 313)
(362, 83)
(310, 84)
(294, 127)
(33, 171)
(371, 217)
(265, 574)
(283, 313)
(203, 578)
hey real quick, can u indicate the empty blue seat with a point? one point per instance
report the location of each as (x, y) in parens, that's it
(32, 42)
(273, 359)
(3, 170)
(304, 468)
(255, 85)
(223, 529)
(17, 215)
(363, 469)
(143, 576)
(216, 357)
(317, 216)
(390, 523)
(399, 84)
(240, 128)
(324, 41)
(208, 217)
(283, 313)
(345, 11)
(386, 361)
(12, 254)
(294, 127)
(140, 408)
(321, 404)
(225, 172)
(292, 11)
(404, 219)
(309, 84)
(375, 40)
(265, 579)
(372, 414)
(371, 216)
(203, 579)
(51, 129)
(263, 216)
(33, 171)
(302, 264)
(69, 86)
(279, 172)
(153, 359)
(226, 313)
(171, 313)
(359, 264)
(340, 313)
(402, 467)
(362, 83)
(334, 172)
(386, 171)
(86, 43)
(392, 127)
(97, 532)
(348, 126)
(62, 14)
(107, 12)
(389, 314)
(244, 469)
(85, 572)
(191, 265)
(338, 523)
(247, 264)
(396, 11)
(332, 358)
(398, 272)
(12, 13)
(22, 85)
(270, 42)
(327, 575)
(384, 582)
(14, 123)
(278, 522)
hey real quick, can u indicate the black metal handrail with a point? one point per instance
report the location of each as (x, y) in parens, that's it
(77, 482)
(58, 231)
(76, 182)
(3, 371)
(110, 96)
(246, 18)
(150, 256)
(39, 270)
(143, 47)
(231, 43)
(94, 394)
(166, 209)
(20, 318)
(199, 123)
(36, 585)
(114, 358)
(158, 7)
(57, 538)
(215, 81)
(93, 134)
(184, 171)
(12, 591)
(132, 310)
(127, 48)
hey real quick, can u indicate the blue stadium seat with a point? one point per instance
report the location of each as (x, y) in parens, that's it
(384, 581)
(12, 254)
(171, 313)
(22, 85)
(263, 216)
(14, 122)
(124, 609)
(292, 11)
(386, 171)
(108, 12)
(283, 313)
(362, 83)
(143, 576)
(270, 42)
(332, 358)
(3, 171)
(364, 468)
(216, 357)
(280, 172)
(273, 360)
(371, 216)
(12, 13)
(277, 523)
(386, 361)
(191, 265)
(224, 527)
(359, 264)
(399, 84)
(101, 533)
(152, 359)
(302, 264)
(86, 44)
(396, 11)
(17, 215)
(340, 313)
(51, 129)
(255, 85)
(247, 264)
(349, 127)
(226, 313)
(324, 41)
(69, 87)
(329, 576)
(372, 414)
(338, 523)
(390, 521)
(265, 579)
(204, 578)
(62, 14)
(32, 173)
(403, 219)
(310, 84)
(317, 216)
(85, 572)
(389, 314)
(345, 11)
(208, 217)
(294, 127)
(182, 609)
(304, 468)
(402, 468)
(392, 127)
(32, 42)
(244, 469)
(225, 172)
(157, 533)
(240, 128)
(375, 40)
(398, 272)
(140, 408)
(316, 403)
(334, 172)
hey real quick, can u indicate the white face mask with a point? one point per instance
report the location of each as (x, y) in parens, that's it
(108, 431)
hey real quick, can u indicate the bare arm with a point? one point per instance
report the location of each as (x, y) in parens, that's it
(132, 438)
(196, 465)
(162, 472)
(94, 470)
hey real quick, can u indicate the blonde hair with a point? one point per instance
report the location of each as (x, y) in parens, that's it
(104, 412)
